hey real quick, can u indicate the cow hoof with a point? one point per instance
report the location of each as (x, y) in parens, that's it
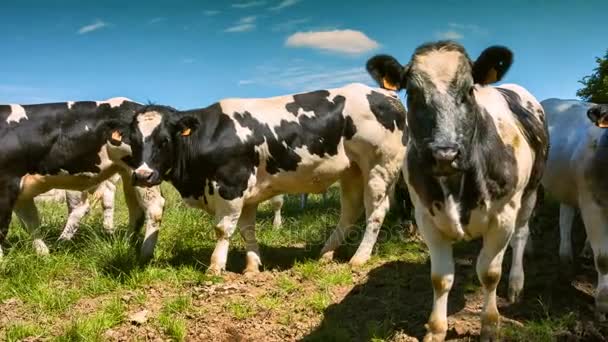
(327, 257)
(214, 271)
(40, 248)
(357, 261)
(514, 295)
(434, 337)
(65, 237)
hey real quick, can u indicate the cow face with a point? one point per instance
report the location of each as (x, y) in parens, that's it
(440, 82)
(598, 114)
(153, 144)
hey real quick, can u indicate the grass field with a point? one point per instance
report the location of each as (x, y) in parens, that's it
(94, 289)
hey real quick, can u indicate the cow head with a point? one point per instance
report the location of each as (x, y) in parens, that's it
(440, 81)
(598, 114)
(154, 139)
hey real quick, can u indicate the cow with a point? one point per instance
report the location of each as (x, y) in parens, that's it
(228, 157)
(474, 160)
(576, 177)
(69, 145)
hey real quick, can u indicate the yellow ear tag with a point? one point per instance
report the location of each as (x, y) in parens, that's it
(491, 77)
(388, 85)
(186, 132)
(116, 136)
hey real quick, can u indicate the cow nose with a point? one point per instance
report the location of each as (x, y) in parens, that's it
(445, 154)
(144, 175)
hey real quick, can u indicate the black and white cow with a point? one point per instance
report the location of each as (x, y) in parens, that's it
(474, 159)
(69, 145)
(230, 156)
(576, 176)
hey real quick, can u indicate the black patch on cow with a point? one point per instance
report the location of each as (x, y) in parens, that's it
(388, 110)
(536, 133)
(349, 128)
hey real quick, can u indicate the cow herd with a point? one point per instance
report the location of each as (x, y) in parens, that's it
(473, 156)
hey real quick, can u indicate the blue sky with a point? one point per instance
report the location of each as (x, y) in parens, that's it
(191, 53)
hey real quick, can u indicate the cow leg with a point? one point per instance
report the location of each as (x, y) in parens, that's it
(78, 206)
(587, 252)
(246, 225)
(107, 202)
(136, 213)
(566, 216)
(227, 215)
(303, 200)
(596, 226)
(351, 208)
(28, 214)
(442, 276)
(9, 191)
(153, 203)
(377, 203)
(276, 203)
(489, 269)
(518, 245)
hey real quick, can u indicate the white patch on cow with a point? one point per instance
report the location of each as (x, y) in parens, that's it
(244, 133)
(147, 122)
(440, 66)
(17, 114)
(144, 168)
(450, 215)
(114, 102)
(86, 128)
(302, 112)
(70, 104)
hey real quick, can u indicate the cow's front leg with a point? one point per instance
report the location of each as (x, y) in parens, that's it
(28, 214)
(9, 191)
(489, 269)
(108, 191)
(596, 226)
(442, 276)
(247, 228)
(153, 203)
(136, 213)
(227, 215)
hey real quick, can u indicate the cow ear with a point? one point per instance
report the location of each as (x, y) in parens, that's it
(386, 71)
(114, 132)
(186, 125)
(492, 64)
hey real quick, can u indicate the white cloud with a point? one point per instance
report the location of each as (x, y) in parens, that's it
(290, 24)
(468, 27)
(97, 25)
(343, 41)
(249, 4)
(300, 77)
(284, 4)
(210, 13)
(243, 25)
(450, 35)
(156, 20)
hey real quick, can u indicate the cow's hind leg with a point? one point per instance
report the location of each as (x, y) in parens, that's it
(489, 269)
(518, 245)
(596, 225)
(9, 190)
(153, 203)
(566, 216)
(28, 214)
(276, 203)
(78, 206)
(247, 228)
(227, 215)
(377, 190)
(351, 208)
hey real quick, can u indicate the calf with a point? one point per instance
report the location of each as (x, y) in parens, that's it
(576, 176)
(70, 145)
(474, 159)
(232, 155)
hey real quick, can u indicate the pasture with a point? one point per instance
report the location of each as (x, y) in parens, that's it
(94, 288)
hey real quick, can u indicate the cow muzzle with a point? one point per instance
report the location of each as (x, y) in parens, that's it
(598, 114)
(145, 176)
(446, 158)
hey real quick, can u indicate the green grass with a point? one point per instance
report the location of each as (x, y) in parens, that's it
(370, 304)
